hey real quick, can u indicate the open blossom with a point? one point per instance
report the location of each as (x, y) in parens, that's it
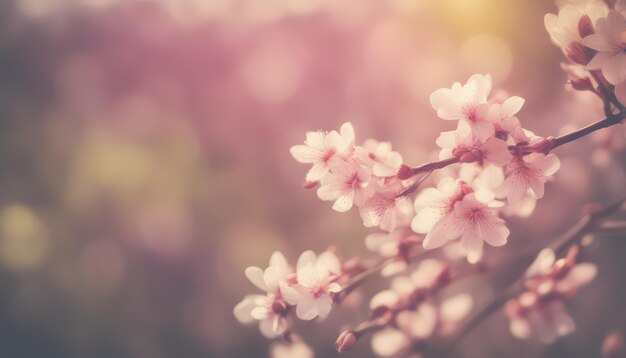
(432, 204)
(563, 28)
(467, 103)
(528, 174)
(452, 211)
(312, 294)
(321, 148)
(473, 222)
(379, 156)
(610, 42)
(399, 244)
(346, 184)
(270, 309)
(539, 313)
(386, 209)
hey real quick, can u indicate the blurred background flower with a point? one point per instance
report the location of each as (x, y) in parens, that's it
(144, 158)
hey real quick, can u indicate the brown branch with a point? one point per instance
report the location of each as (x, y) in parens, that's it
(406, 172)
(606, 122)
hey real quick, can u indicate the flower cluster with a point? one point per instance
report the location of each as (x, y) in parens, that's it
(502, 171)
(539, 312)
(309, 289)
(593, 37)
(500, 160)
(412, 312)
(364, 176)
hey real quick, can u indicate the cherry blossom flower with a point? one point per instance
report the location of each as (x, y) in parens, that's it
(320, 148)
(379, 156)
(499, 112)
(386, 209)
(316, 276)
(539, 313)
(610, 42)
(563, 28)
(467, 103)
(528, 174)
(346, 184)
(472, 221)
(270, 309)
(453, 211)
(431, 204)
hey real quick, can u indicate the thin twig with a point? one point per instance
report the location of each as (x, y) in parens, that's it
(610, 120)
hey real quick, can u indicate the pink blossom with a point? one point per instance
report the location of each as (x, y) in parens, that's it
(610, 42)
(473, 222)
(379, 156)
(539, 313)
(467, 103)
(386, 209)
(346, 184)
(316, 278)
(270, 309)
(528, 174)
(431, 204)
(321, 148)
(563, 28)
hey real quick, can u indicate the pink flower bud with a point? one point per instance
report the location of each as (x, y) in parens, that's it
(578, 53)
(585, 26)
(405, 172)
(581, 84)
(540, 145)
(346, 341)
(468, 157)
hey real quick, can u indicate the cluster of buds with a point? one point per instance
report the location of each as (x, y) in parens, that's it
(539, 312)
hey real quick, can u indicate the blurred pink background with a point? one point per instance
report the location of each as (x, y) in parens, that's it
(144, 159)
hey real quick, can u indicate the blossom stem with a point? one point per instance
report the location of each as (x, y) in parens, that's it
(589, 223)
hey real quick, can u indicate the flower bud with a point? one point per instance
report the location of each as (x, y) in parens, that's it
(578, 53)
(346, 341)
(585, 26)
(581, 84)
(405, 172)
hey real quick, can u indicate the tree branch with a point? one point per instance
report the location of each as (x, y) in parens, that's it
(406, 172)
